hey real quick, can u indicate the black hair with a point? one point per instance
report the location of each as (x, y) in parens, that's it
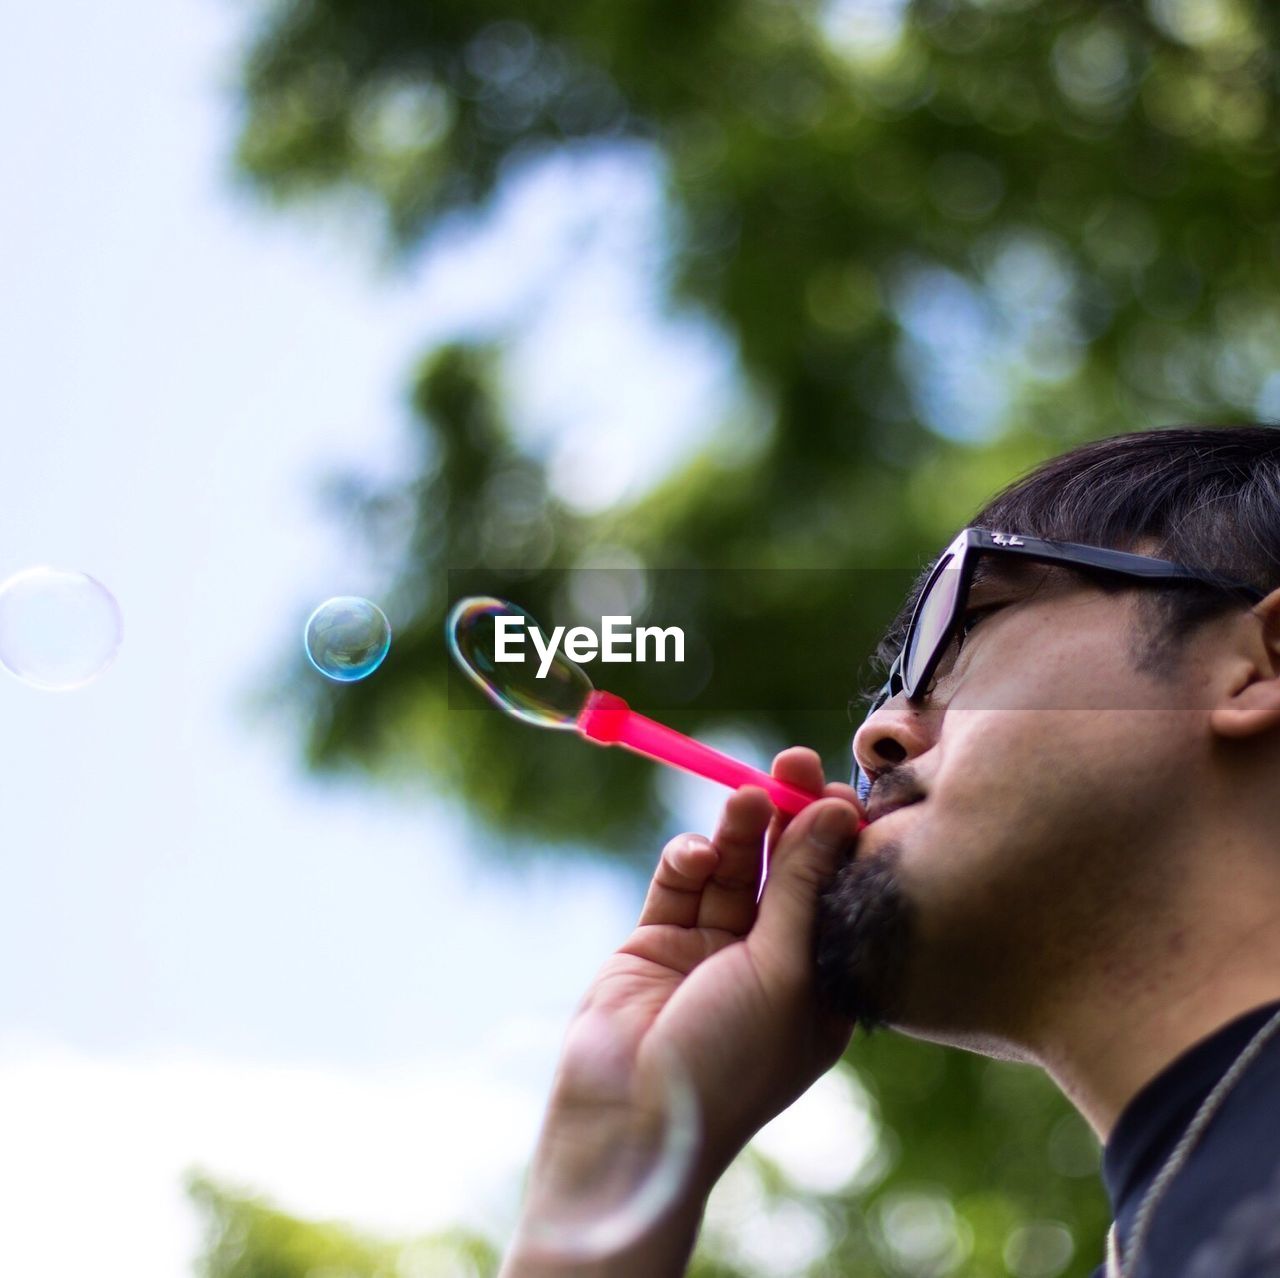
(1206, 497)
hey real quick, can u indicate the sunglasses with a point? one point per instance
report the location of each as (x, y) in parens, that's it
(940, 611)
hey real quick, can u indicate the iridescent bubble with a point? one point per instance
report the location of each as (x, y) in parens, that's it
(639, 1160)
(475, 633)
(59, 630)
(346, 638)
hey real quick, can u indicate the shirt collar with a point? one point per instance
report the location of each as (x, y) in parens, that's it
(1151, 1123)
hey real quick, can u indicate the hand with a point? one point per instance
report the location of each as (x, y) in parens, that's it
(715, 979)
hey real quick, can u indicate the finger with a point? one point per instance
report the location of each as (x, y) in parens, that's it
(729, 898)
(843, 790)
(801, 767)
(807, 854)
(687, 862)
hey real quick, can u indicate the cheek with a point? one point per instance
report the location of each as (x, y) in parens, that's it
(1001, 824)
(1065, 673)
(986, 779)
(1052, 781)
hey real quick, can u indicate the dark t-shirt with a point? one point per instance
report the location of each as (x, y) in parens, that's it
(1220, 1215)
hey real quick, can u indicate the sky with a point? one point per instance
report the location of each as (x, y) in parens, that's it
(208, 959)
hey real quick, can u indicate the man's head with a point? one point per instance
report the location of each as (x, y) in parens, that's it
(1092, 753)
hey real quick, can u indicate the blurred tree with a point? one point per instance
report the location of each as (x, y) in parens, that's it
(944, 238)
(247, 1238)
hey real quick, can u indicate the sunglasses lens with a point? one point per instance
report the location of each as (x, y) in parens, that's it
(931, 628)
(860, 782)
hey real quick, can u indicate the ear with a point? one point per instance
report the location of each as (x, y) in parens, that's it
(1252, 701)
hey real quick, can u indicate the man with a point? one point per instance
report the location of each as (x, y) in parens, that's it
(1073, 860)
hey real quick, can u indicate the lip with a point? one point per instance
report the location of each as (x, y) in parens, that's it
(877, 811)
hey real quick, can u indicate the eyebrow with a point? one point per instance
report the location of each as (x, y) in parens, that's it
(1016, 572)
(995, 570)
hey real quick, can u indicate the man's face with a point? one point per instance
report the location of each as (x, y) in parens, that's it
(1046, 787)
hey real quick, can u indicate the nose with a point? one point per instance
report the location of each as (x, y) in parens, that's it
(893, 734)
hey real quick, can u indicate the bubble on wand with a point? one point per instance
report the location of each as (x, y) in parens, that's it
(555, 700)
(562, 696)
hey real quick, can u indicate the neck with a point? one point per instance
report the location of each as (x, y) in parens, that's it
(1144, 1007)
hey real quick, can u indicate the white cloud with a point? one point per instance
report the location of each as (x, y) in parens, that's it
(93, 1149)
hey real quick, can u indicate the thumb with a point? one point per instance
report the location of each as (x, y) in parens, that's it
(805, 857)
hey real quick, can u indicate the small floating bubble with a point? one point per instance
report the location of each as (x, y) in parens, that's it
(642, 1158)
(347, 637)
(59, 630)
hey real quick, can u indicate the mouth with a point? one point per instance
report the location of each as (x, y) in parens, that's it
(878, 811)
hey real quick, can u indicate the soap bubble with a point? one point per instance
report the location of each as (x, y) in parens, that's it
(552, 701)
(346, 638)
(639, 1161)
(58, 629)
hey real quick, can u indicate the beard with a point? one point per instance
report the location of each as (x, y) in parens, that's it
(862, 937)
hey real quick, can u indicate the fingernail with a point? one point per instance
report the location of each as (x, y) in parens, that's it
(830, 828)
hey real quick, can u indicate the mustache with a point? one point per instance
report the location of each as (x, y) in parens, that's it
(894, 787)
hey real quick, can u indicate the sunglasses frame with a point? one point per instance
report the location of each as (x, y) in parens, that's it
(964, 552)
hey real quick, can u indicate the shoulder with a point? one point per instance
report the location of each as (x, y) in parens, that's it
(1246, 1240)
(1221, 1216)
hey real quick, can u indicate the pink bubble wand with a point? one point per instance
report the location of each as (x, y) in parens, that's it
(563, 696)
(608, 720)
